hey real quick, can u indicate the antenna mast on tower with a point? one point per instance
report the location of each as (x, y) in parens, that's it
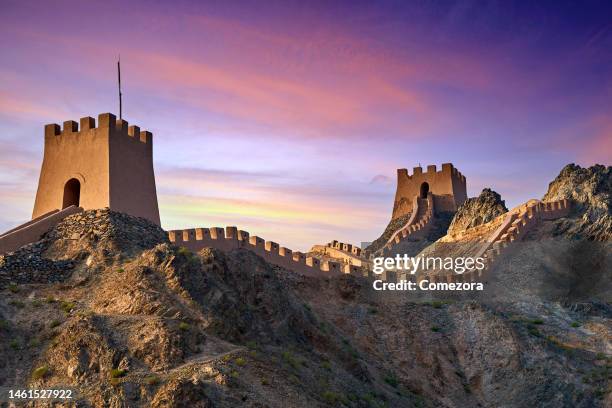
(119, 77)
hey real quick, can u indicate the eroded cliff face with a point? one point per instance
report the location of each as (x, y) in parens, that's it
(133, 321)
(590, 189)
(477, 211)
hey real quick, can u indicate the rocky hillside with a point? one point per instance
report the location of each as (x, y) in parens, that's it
(477, 211)
(591, 191)
(106, 305)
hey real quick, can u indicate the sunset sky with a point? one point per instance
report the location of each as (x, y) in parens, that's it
(289, 119)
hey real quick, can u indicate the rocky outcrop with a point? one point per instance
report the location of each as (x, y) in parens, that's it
(590, 190)
(477, 211)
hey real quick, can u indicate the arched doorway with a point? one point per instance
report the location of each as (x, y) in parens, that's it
(424, 190)
(72, 193)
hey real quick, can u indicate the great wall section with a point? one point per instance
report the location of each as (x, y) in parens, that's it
(111, 166)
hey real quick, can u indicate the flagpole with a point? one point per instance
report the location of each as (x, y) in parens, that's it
(119, 77)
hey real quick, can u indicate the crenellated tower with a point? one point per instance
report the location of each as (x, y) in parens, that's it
(447, 187)
(108, 165)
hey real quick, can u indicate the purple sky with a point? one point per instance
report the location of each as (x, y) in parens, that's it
(290, 120)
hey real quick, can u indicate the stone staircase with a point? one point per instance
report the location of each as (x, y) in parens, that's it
(415, 228)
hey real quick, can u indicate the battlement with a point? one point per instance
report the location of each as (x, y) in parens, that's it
(196, 239)
(105, 121)
(342, 246)
(447, 168)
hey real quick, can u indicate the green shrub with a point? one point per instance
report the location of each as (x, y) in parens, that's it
(120, 270)
(537, 321)
(575, 324)
(437, 304)
(185, 252)
(330, 397)
(290, 359)
(50, 299)
(40, 372)
(54, 324)
(114, 381)
(4, 324)
(372, 310)
(264, 381)
(66, 306)
(252, 345)
(36, 303)
(326, 365)
(240, 362)
(435, 329)
(152, 380)
(534, 331)
(184, 326)
(13, 287)
(392, 380)
(14, 344)
(34, 343)
(118, 373)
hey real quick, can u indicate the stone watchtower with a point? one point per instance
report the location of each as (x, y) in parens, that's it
(447, 187)
(109, 165)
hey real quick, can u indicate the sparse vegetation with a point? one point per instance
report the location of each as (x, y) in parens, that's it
(40, 372)
(54, 324)
(575, 324)
(66, 306)
(152, 380)
(184, 326)
(534, 331)
(435, 329)
(437, 304)
(290, 359)
(13, 288)
(17, 303)
(392, 380)
(34, 343)
(14, 344)
(120, 270)
(117, 373)
(4, 324)
(264, 381)
(240, 362)
(50, 299)
(537, 321)
(330, 397)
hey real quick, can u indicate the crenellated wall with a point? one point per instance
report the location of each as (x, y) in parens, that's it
(112, 162)
(348, 248)
(418, 224)
(517, 223)
(447, 185)
(231, 238)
